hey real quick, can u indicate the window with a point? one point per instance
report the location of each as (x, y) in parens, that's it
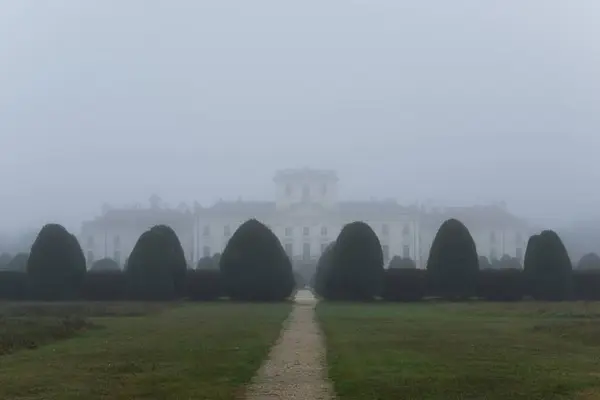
(289, 249)
(492, 237)
(323, 247)
(117, 257)
(385, 229)
(90, 257)
(90, 242)
(519, 253)
(323, 231)
(227, 230)
(386, 253)
(305, 193)
(206, 251)
(306, 231)
(117, 242)
(406, 251)
(288, 190)
(306, 251)
(289, 231)
(206, 230)
(406, 230)
(324, 189)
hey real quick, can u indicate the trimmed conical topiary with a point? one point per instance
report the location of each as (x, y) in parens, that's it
(56, 265)
(453, 263)
(177, 263)
(149, 268)
(322, 277)
(254, 266)
(357, 264)
(548, 267)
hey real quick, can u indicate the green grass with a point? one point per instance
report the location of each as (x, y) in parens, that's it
(30, 325)
(141, 351)
(463, 351)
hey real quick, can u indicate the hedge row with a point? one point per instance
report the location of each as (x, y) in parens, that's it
(492, 285)
(399, 285)
(112, 286)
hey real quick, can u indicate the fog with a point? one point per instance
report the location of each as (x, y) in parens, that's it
(458, 102)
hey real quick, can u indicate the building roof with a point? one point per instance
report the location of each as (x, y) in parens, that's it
(374, 209)
(473, 217)
(140, 217)
(305, 174)
(239, 208)
(493, 216)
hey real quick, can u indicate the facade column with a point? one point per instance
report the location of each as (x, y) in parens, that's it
(417, 250)
(196, 237)
(191, 238)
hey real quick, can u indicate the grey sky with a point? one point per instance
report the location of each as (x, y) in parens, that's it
(462, 102)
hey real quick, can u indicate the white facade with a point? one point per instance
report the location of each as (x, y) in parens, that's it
(115, 232)
(306, 216)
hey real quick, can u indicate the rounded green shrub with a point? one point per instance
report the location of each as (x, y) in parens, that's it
(453, 264)
(589, 261)
(177, 263)
(254, 266)
(149, 268)
(56, 265)
(507, 262)
(548, 267)
(356, 265)
(105, 264)
(321, 281)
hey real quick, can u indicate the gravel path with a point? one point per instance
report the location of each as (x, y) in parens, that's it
(296, 367)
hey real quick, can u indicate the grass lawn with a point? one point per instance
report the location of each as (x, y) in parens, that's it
(463, 351)
(134, 350)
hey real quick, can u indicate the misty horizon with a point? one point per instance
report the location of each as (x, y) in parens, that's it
(462, 104)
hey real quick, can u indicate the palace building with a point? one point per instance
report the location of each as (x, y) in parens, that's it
(306, 215)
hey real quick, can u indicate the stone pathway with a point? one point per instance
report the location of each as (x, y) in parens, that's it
(295, 368)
